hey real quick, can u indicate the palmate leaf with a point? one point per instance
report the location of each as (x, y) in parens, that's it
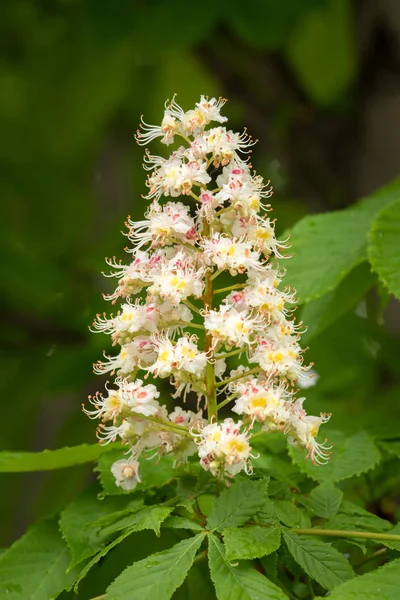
(319, 560)
(351, 456)
(238, 582)
(381, 584)
(34, 568)
(237, 504)
(158, 575)
(324, 500)
(251, 542)
(384, 247)
(328, 246)
(21, 462)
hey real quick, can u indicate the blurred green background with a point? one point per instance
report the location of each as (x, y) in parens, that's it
(316, 81)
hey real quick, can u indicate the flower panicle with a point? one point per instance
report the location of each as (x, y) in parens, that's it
(207, 216)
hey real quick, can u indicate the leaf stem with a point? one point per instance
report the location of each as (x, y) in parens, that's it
(99, 597)
(370, 535)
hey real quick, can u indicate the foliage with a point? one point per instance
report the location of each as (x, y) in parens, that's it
(75, 78)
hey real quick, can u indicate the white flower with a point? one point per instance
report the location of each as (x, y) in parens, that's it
(126, 473)
(166, 360)
(176, 175)
(263, 402)
(177, 284)
(222, 144)
(223, 449)
(233, 254)
(189, 358)
(304, 429)
(140, 398)
(165, 225)
(279, 359)
(105, 408)
(230, 327)
(177, 122)
(139, 351)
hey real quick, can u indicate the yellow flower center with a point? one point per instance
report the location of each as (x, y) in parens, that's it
(237, 446)
(177, 283)
(164, 355)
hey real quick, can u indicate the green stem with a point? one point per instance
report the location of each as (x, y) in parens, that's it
(194, 196)
(99, 597)
(368, 535)
(236, 377)
(214, 275)
(191, 306)
(231, 353)
(185, 324)
(367, 559)
(170, 426)
(238, 286)
(226, 401)
(185, 138)
(212, 411)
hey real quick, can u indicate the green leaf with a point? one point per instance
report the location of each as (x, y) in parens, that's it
(238, 583)
(319, 560)
(319, 314)
(236, 505)
(277, 466)
(35, 566)
(154, 473)
(357, 523)
(251, 542)
(395, 545)
(84, 511)
(384, 247)
(158, 575)
(350, 456)
(176, 522)
(290, 514)
(324, 500)
(324, 74)
(391, 446)
(326, 247)
(369, 519)
(284, 511)
(101, 555)
(149, 517)
(21, 462)
(382, 584)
